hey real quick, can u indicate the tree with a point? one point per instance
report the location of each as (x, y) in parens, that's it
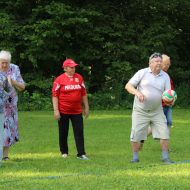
(110, 40)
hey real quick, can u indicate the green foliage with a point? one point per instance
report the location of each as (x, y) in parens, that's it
(110, 40)
(107, 101)
(183, 95)
(7, 28)
(36, 82)
(35, 101)
(37, 95)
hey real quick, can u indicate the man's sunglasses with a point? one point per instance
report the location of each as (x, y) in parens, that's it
(155, 55)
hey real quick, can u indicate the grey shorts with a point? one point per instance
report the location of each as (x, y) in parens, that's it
(142, 119)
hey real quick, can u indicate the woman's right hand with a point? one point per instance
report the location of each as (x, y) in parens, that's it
(9, 80)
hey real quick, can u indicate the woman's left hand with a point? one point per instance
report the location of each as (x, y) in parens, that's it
(86, 112)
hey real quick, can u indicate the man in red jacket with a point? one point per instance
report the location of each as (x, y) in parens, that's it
(68, 94)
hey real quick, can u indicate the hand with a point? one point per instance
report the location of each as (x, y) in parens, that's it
(10, 80)
(57, 115)
(86, 112)
(169, 103)
(140, 96)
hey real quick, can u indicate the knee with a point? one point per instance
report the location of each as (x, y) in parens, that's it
(164, 142)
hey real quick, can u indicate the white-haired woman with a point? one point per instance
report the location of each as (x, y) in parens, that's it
(12, 72)
(4, 89)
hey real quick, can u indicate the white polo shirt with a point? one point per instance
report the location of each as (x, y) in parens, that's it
(151, 86)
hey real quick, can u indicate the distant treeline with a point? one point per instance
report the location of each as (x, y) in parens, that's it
(110, 40)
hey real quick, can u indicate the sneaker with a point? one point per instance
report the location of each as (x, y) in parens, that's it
(167, 161)
(134, 161)
(64, 155)
(83, 157)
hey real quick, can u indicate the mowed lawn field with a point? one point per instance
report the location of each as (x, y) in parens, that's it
(35, 162)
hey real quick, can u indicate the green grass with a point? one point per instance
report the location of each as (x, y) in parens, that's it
(36, 164)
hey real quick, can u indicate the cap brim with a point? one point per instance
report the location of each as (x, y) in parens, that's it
(70, 65)
(73, 65)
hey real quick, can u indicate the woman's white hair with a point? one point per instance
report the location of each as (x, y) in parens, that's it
(5, 55)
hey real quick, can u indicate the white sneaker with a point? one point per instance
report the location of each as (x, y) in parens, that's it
(83, 157)
(64, 155)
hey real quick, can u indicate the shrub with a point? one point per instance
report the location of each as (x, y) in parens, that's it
(183, 95)
(40, 99)
(35, 101)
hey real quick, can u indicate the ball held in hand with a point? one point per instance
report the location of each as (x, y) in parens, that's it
(169, 96)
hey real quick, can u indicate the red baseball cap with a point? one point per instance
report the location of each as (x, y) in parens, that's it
(69, 63)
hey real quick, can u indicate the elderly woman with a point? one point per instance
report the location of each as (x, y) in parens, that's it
(4, 89)
(68, 95)
(12, 72)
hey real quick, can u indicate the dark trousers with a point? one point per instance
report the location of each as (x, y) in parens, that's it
(77, 123)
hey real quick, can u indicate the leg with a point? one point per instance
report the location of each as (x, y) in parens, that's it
(63, 133)
(164, 146)
(140, 123)
(1, 136)
(142, 141)
(11, 134)
(135, 146)
(168, 114)
(135, 149)
(160, 131)
(5, 152)
(169, 118)
(77, 123)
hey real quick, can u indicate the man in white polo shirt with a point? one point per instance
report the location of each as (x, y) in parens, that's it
(148, 86)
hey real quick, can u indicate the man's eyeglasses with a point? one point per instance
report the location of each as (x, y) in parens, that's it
(155, 55)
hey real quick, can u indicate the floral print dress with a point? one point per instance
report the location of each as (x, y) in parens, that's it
(4, 89)
(11, 134)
